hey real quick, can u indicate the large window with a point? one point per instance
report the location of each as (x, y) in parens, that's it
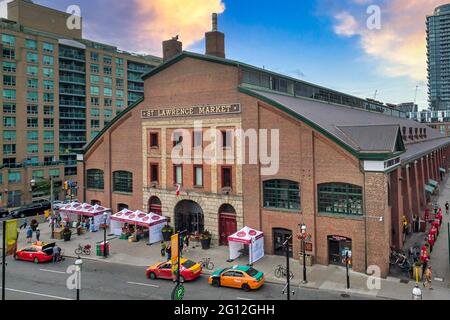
(95, 179)
(122, 181)
(281, 194)
(340, 198)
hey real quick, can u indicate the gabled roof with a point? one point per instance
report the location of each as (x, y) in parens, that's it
(379, 138)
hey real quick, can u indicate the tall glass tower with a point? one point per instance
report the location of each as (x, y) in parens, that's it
(438, 54)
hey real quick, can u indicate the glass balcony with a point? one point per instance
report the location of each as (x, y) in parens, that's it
(73, 92)
(68, 79)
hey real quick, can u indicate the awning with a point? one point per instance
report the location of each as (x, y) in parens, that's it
(432, 182)
(442, 170)
(429, 188)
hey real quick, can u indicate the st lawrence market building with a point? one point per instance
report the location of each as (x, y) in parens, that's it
(345, 168)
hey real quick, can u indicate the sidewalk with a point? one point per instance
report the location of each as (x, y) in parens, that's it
(329, 278)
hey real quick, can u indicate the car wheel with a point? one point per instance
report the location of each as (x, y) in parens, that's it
(245, 287)
(16, 257)
(152, 275)
(22, 215)
(36, 260)
(216, 283)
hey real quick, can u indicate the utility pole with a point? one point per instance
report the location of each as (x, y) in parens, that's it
(4, 260)
(52, 212)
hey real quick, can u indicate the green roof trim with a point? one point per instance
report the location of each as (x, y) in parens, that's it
(110, 124)
(359, 155)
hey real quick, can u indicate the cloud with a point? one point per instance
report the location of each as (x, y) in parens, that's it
(399, 47)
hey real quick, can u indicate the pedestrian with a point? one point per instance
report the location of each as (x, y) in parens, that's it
(439, 217)
(55, 254)
(428, 278)
(29, 234)
(424, 259)
(431, 241)
(447, 207)
(163, 248)
(186, 241)
(58, 220)
(24, 223)
(38, 234)
(169, 252)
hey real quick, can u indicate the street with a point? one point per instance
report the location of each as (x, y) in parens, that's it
(111, 281)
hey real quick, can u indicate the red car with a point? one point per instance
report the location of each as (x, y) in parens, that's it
(37, 252)
(190, 270)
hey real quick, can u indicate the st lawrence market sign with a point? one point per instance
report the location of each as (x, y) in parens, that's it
(203, 110)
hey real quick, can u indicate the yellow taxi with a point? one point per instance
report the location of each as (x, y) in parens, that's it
(242, 277)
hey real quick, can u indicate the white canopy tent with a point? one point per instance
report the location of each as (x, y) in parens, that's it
(152, 221)
(84, 209)
(247, 236)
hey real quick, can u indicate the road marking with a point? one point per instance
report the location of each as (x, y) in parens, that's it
(38, 294)
(143, 284)
(439, 279)
(240, 298)
(48, 270)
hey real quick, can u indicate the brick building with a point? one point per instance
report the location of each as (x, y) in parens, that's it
(348, 173)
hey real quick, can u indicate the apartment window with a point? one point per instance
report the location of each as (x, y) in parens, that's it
(14, 177)
(119, 61)
(32, 135)
(32, 160)
(154, 172)
(120, 104)
(37, 174)
(178, 174)
(32, 57)
(122, 181)
(177, 138)
(32, 83)
(32, 148)
(9, 108)
(119, 72)
(95, 90)
(9, 53)
(8, 40)
(9, 122)
(108, 113)
(108, 102)
(54, 173)
(95, 78)
(197, 141)
(95, 179)
(48, 72)
(32, 96)
(48, 60)
(119, 93)
(107, 92)
(9, 94)
(107, 70)
(339, 198)
(9, 135)
(47, 47)
(226, 177)
(49, 85)
(95, 123)
(107, 80)
(49, 135)
(95, 68)
(49, 97)
(226, 138)
(31, 44)
(9, 66)
(49, 147)
(107, 59)
(9, 149)
(9, 80)
(48, 123)
(32, 109)
(32, 70)
(281, 194)
(154, 141)
(94, 56)
(119, 83)
(198, 176)
(9, 162)
(95, 112)
(95, 101)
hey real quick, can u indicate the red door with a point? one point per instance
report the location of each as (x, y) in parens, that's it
(227, 226)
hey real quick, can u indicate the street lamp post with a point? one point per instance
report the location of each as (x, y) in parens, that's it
(52, 212)
(78, 265)
(105, 217)
(303, 236)
(347, 259)
(288, 278)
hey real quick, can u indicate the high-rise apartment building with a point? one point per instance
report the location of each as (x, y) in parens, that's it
(438, 47)
(58, 91)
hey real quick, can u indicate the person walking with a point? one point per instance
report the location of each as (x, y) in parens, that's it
(431, 241)
(163, 248)
(23, 224)
(55, 254)
(427, 279)
(169, 252)
(447, 207)
(38, 234)
(29, 234)
(439, 216)
(424, 258)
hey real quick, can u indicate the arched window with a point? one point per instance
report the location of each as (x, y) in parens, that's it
(281, 194)
(340, 198)
(122, 181)
(95, 179)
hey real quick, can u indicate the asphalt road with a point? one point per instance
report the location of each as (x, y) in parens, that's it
(110, 281)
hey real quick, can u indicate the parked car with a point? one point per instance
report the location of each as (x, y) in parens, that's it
(45, 204)
(242, 277)
(4, 212)
(58, 204)
(29, 210)
(190, 270)
(38, 252)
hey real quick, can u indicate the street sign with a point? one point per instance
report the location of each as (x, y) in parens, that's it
(178, 292)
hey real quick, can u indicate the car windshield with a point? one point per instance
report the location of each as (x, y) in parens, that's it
(188, 264)
(252, 272)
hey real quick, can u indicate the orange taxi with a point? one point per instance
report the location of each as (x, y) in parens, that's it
(242, 277)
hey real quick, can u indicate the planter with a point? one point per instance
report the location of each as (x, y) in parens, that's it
(166, 235)
(66, 236)
(206, 243)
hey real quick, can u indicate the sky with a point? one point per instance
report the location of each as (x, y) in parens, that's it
(367, 48)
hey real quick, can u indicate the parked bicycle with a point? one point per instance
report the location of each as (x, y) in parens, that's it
(281, 272)
(206, 263)
(86, 249)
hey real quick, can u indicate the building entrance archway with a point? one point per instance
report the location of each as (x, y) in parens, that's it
(227, 223)
(189, 216)
(154, 205)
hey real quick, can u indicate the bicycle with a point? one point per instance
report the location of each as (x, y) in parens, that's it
(86, 249)
(281, 272)
(206, 263)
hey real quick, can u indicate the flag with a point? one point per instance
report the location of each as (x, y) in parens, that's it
(11, 236)
(174, 252)
(178, 189)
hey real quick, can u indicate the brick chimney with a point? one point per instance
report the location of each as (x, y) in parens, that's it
(171, 48)
(215, 40)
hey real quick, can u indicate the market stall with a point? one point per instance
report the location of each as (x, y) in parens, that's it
(74, 211)
(247, 238)
(151, 221)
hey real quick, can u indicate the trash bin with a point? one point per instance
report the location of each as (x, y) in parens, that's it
(98, 250)
(104, 247)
